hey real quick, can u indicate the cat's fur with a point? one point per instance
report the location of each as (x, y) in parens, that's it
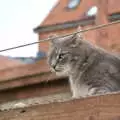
(91, 70)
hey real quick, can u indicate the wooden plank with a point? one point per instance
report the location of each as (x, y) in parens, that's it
(105, 107)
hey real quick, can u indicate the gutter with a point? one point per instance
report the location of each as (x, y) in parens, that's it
(73, 24)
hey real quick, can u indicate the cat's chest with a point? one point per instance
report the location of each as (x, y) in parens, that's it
(78, 88)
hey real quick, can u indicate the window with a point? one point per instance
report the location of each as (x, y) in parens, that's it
(73, 4)
(92, 11)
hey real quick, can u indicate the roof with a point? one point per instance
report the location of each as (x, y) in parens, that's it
(60, 17)
(61, 13)
(28, 74)
(73, 24)
(7, 62)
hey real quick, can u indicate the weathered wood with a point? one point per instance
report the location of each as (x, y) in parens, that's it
(106, 107)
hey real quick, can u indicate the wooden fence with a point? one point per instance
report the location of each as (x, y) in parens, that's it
(105, 107)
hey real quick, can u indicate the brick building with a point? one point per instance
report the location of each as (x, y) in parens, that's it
(67, 15)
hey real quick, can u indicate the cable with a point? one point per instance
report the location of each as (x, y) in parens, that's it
(85, 30)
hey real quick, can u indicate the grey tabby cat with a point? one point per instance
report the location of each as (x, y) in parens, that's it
(91, 70)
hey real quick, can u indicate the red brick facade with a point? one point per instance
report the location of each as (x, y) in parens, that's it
(106, 37)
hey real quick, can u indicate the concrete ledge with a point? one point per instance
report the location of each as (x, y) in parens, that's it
(104, 107)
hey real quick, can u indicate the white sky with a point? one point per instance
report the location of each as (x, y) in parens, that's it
(17, 20)
(92, 11)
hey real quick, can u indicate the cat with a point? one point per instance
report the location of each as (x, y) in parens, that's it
(91, 70)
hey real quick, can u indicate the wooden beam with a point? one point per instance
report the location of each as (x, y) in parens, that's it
(105, 107)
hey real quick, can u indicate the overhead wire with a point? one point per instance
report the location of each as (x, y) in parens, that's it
(65, 35)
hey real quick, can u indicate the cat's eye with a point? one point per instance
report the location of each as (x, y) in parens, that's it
(61, 56)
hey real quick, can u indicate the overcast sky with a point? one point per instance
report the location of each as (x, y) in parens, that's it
(17, 20)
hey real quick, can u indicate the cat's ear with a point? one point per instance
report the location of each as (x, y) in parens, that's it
(74, 41)
(52, 38)
(76, 38)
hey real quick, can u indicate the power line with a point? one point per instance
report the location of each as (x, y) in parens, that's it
(65, 35)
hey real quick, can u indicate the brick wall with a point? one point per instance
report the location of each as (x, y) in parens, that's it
(61, 14)
(107, 38)
(106, 107)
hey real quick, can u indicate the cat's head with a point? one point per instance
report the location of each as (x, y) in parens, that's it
(63, 52)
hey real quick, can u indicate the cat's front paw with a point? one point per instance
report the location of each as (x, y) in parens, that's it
(92, 91)
(98, 91)
(74, 96)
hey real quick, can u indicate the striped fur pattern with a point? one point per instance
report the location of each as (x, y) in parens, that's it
(91, 70)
